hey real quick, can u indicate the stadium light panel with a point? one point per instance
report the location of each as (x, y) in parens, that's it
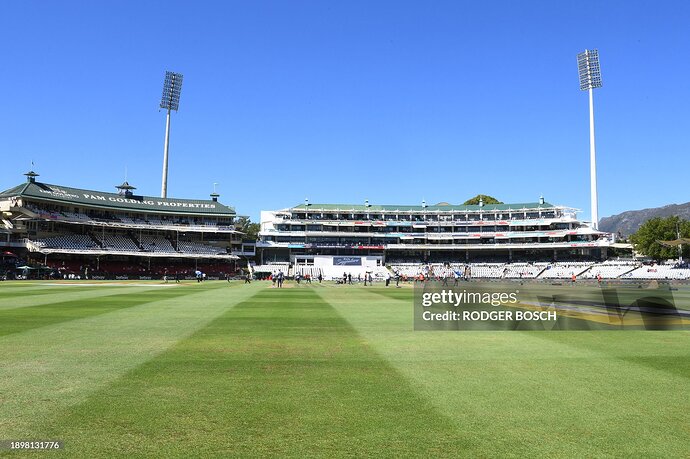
(588, 68)
(172, 88)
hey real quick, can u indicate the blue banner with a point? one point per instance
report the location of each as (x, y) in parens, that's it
(347, 261)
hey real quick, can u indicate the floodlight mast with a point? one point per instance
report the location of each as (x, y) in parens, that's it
(170, 100)
(590, 78)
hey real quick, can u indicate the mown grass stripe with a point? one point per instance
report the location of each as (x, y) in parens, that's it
(30, 297)
(31, 290)
(554, 394)
(667, 351)
(287, 378)
(25, 318)
(12, 288)
(45, 370)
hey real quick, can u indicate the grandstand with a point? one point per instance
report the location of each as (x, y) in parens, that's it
(357, 272)
(492, 233)
(158, 244)
(661, 272)
(610, 269)
(273, 268)
(93, 230)
(524, 270)
(538, 240)
(553, 271)
(119, 243)
(566, 270)
(622, 270)
(310, 271)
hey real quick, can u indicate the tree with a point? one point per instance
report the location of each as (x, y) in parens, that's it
(250, 230)
(487, 200)
(646, 239)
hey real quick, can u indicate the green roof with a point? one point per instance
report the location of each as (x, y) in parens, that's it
(112, 201)
(442, 208)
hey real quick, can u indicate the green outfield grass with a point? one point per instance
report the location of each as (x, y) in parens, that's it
(219, 369)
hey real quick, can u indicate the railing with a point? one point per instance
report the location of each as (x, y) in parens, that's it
(82, 219)
(35, 246)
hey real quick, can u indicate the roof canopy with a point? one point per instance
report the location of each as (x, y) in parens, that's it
(675, 242)
(441, 207)
(116, 202)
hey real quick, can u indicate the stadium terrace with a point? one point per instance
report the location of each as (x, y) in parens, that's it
(71, 228)
(442, 233)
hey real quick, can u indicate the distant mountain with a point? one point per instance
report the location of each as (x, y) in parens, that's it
(628, 222)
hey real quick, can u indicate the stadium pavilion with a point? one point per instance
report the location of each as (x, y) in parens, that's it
(439, 233)
(122, 235)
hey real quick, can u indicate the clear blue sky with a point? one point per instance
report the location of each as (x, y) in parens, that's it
(339, 102)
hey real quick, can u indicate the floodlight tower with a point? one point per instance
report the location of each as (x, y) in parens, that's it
(170, 101)
(590, 78)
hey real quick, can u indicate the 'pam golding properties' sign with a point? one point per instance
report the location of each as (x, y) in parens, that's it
(58, 193)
